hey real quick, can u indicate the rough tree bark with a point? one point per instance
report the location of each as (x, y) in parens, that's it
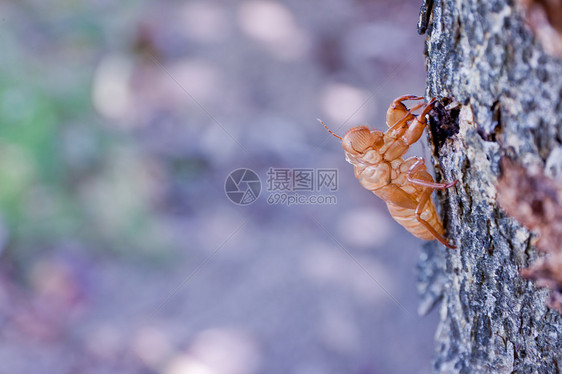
(483, 55)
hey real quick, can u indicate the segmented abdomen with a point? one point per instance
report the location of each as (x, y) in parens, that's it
(407, 218)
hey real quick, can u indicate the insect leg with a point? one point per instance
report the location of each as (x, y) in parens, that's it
(410, 134)
(404, 98)
(419, 167)
(433, 185)
(419, 210)
(397, 130)
(397, 110)
(414, 132)
(401, 124)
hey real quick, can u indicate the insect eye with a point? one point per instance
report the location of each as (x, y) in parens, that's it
(358, 139)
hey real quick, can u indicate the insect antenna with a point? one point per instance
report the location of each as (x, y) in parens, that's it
(330, 131)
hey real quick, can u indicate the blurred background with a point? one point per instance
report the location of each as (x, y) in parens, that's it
(120, 251)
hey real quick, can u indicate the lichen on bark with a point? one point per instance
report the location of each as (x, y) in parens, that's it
(481, 55)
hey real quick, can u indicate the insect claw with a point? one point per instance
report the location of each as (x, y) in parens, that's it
(450, 246)
(454, 183)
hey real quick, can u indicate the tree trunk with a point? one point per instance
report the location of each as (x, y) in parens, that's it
(504, 95)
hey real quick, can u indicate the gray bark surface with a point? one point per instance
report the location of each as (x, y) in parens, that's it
(482, 55)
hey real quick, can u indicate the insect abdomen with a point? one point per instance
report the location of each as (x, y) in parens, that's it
(407, 218)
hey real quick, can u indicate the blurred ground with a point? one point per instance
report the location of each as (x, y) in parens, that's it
(120, 250)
